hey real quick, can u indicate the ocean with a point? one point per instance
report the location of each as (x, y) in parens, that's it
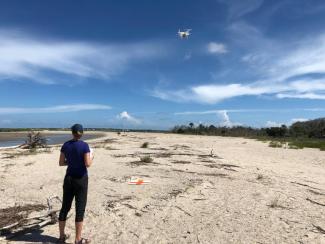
(16, 139)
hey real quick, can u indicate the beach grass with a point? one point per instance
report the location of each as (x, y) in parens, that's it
(295, 143)
(145, 145)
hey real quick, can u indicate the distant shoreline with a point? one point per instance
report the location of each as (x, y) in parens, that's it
(13, 139)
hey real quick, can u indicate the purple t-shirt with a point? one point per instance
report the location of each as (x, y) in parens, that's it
(74, 152)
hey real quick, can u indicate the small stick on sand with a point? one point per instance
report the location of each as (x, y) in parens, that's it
(183, 211)
(312, 201)
(9, 226)
(43, 215)
(320, 229)
(297, 183)
(45, 222)
(316, 192)
(198, 240)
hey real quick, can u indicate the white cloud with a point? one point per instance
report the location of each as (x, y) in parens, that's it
(249, 111)
(273, 124)
(306, 89)
(223, 115)
(294, 120)
(308, 85)
(53, 109)
(283, 74)
(217, 48)
(225, 119)
(288, 123)
(211, 93)
(197, 112)
(216, 93)
(239, 8)
(127, 117)
(25, 57)
(302, 95)
(231, 111)
(306, 58)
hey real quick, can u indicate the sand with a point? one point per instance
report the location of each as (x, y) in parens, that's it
(242, 192)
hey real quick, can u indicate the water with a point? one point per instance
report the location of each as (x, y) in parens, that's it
(51, 139)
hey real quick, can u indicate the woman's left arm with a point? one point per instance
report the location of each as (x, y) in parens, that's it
(62, 161)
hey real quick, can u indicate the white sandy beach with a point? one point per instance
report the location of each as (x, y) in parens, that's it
(246, 192)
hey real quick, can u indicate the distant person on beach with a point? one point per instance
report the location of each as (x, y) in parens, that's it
(76, 155)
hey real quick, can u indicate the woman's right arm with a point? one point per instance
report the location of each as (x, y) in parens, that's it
(87, 160)
(62, 161)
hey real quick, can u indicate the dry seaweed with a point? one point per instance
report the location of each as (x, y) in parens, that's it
(215, 174)
(181, 162)
(184, 171)
(17, 213)
(110, 204)
(175, 192)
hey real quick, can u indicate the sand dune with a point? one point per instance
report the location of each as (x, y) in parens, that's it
(242, 192)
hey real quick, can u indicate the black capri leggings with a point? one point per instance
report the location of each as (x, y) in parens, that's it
(74, 187)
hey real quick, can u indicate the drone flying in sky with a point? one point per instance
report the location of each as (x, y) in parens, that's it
(184, 34)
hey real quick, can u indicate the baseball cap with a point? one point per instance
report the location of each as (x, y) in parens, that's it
(77, 129)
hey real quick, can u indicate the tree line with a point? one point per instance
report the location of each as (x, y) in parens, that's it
(308, 129)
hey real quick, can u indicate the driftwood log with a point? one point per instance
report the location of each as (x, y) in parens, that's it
(34, 140)
(32, 222)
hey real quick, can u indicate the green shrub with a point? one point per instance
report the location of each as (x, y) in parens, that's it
(259, 177)
(308, 142)
(146, 159)
(293, 147)
(275, 144)
(145, 145)
(275, 203)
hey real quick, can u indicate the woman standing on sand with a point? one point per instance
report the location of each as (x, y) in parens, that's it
(76, 155)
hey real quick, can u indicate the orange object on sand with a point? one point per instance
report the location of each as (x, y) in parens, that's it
(138, 181)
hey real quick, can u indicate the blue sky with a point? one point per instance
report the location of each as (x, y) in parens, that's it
(121, 63)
